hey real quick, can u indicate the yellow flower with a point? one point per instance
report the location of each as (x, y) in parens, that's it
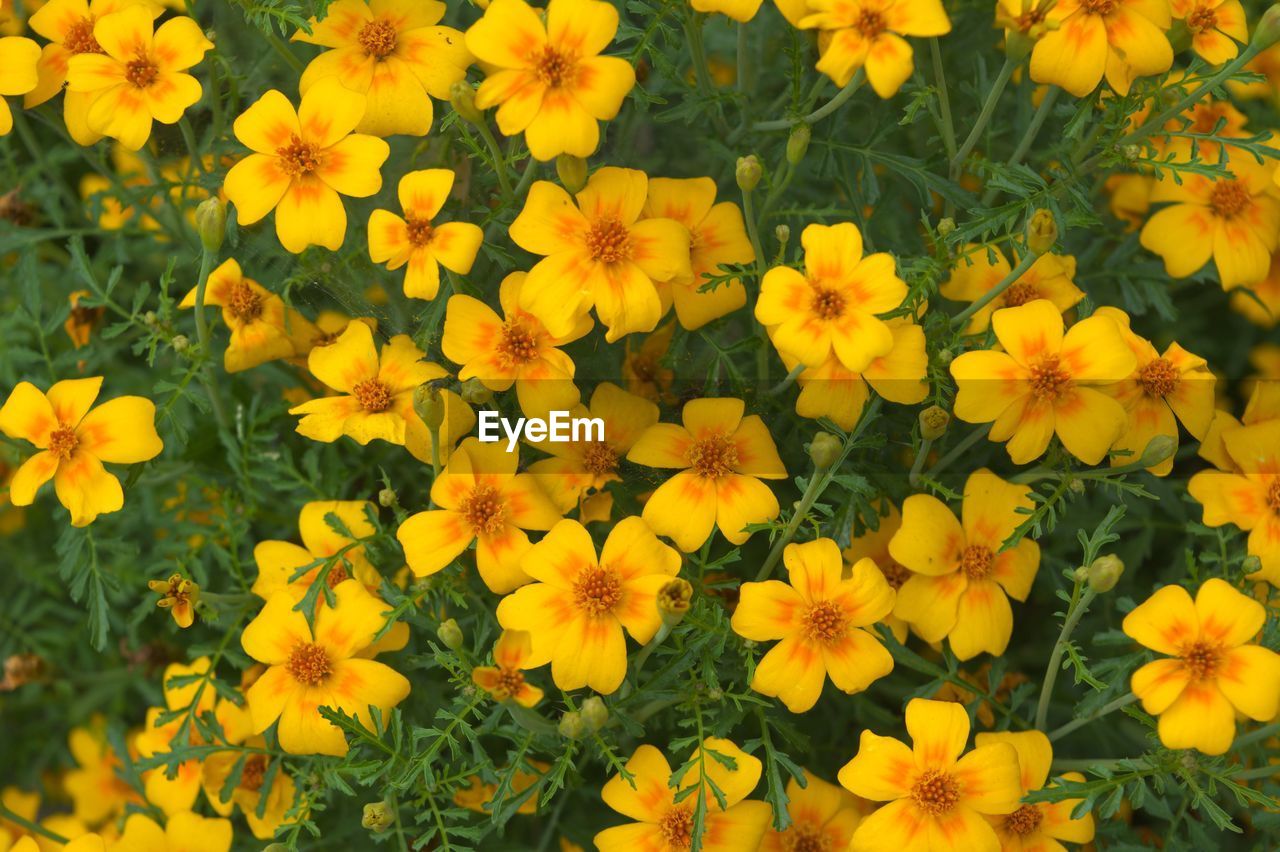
(97, 791)
(18, 59)
(932, 788)
(1211, 671)
(310, 668)
(832, 306)
(1043, 825)
(303, 162)
(1262, 305)
(83, 843)
(1250, 496)
(821, 620)
(547, 77)
(375, 400)
(179, 595)
(504, 680)
(183, 832)
(663, 806)
(1215, 26)
(416, 241)
(515, 349)
(74, 442)
(1163, 391)
(140, 76)
(598, 252)
(262, 327)
(1087, 39)
(874, 545)
(980, 269)
(1233, 221)
(961, 580)
(738, 10)
(642, 367)
(392, 52)
(478, 795)
(721, 457)
(279, 561)
(823, 817)
(868, 34)
(483, 500)
(1046, 382)
(579, 605)
(717, 236)
(248, 792)
(81, 320)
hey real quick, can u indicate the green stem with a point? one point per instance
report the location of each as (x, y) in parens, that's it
(959, 449)
(193, 149)
(499, 163)
(917, 467)
(1257, 735)
(821, 112)
(787, 382)
(742, 58)
(984, 117)
(281, 48)
(1028, 260)
(762, 334)
(28, 825)
(1123, 701)
(207, 259)
(1075, 611)
(1269, 771)
(698, 54)
(944, 100)
(1028, 138)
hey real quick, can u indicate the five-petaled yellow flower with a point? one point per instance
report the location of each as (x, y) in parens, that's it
(823, 816)
(1088, 39)
(1217, 27)
(979, 269)
(1044, 826)
(504, 680)
(868, 35)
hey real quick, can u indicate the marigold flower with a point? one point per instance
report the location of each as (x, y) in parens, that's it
(821, 620)
(832, 306)
(823, 816)
(182, 832)
(1211, 671)
(1163, 391)
(1046, 382)
(416, 241)
(721, 457)
(504, 680)
(74, 441)
(1087, 39)
(961, 580)
(312, 667)
(1233, 221)
(178, 595)
(868, 34)
(391, 51)
(248, 791)
(598, 252)
(717, 236)
(514, 349)
(481, 499)
(932, 788)
(980, 269)
(97, 791)
(1215, 25)
(1250, 497)
(279, 561)
(1043, 825)
(664, 817)
(302, 162)
(874, 545)
(547, 77)
(81, 320)
(18, 59)
(375, 400)
(579, 605)
(140, 75)
(478, 795)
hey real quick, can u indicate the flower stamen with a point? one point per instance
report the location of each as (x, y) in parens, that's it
(1230, 198)
(597, 591)
(975, 561)
(485, 510)
(935, 792)
(1025, 820)
(63, 441)
(609, 241)
(713, 457)
(1159, 378)
(825, 622)
(243, 303)
(298, 157)
(378, 39)
(1049, 380)
(373, 396)
(309, 664)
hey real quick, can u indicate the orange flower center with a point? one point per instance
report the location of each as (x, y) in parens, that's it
(597, 591)
(806, 837)
(254, 772)
(1098, 7)
(676, 827)
(373, 396)
(309, 664)
(713, 457)
(645, 369)
(1229, 199)
(870, 23)
(485, 510)
(378, 39)
(552, 67)
(419, 231)
(1023, 821)
(63, 441)
(1048, 379)
(298, 157)
(1158, 378)
(895, 575)
(1202, 659)
(518, 344)
(827, 304)
(600, 458)
(243, 303)
(79, 38)
(935, 792)
(141, 72)
(1202, 19)
(336, 575)
(1273, 495)
(510, 682)
(975, 561)
(1019, 294)
(1027, 20)
(825, 622)
(609, 241)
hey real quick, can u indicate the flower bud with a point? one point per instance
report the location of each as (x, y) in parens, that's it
(1252, 564)
(593, 713)
(824, 450)
(1104, 573)
(572, 172)
(1042, 232)
(946, 226)
(798, 144)
(1267, 32)
(571, 726)
(377, 817)
(933, 423)
(946, 356)
(462, 97)
(782, 234)
(1159, 450)
(474, 392)
(180, 343)
(428, 404)
(211, 223)
(673, 600)
(450, 634)
(387, 498)
(748, 173)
